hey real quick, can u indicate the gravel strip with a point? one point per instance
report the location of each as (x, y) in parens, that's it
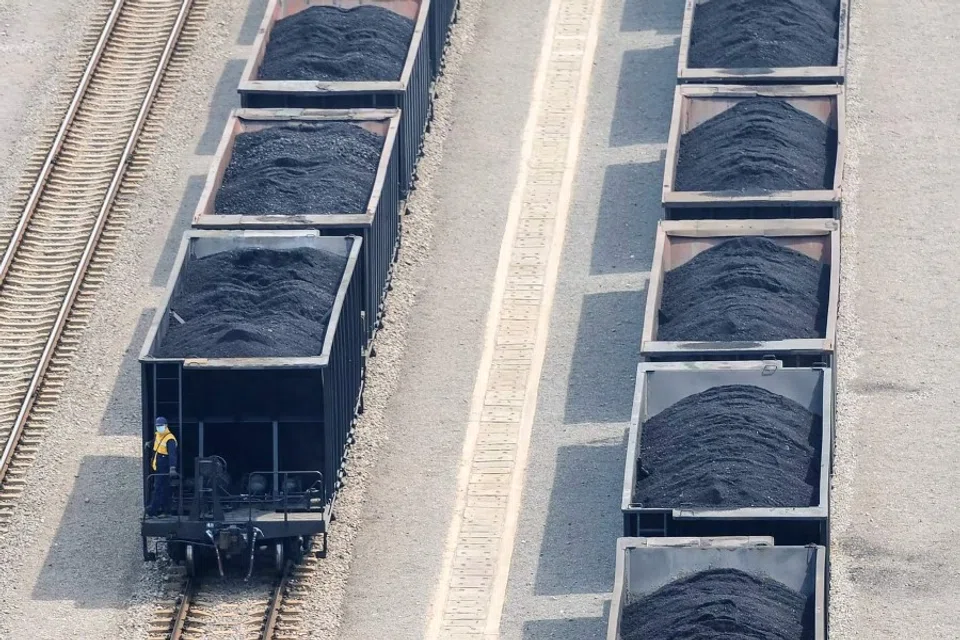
(757, 144)
(301, 169)
(38, 47)
(71, 563)
(720, 603)
(758, 33)
(731, 446)
(745, 289)
(366, 43)
(253, 303)
(328, 583)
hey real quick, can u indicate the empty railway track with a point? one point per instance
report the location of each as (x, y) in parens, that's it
(72, 209)
(262, 609)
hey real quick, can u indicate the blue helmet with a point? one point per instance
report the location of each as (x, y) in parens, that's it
(161, 422)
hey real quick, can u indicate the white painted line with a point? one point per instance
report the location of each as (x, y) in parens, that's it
(476, 565)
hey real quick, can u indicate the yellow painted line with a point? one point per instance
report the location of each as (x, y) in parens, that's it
(476, 565)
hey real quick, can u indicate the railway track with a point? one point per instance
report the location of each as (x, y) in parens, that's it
(72, 211)
(264, 608)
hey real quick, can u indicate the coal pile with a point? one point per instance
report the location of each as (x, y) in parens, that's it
(736, 34)
(725, 604)
(301, 169)
(745, 289)
(253, 303)
(758, 144)
(732, 446)
(364, 44)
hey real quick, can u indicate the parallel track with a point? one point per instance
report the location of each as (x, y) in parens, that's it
(70, 220)
(204, 611)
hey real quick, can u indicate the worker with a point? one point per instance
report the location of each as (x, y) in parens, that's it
(163, 464)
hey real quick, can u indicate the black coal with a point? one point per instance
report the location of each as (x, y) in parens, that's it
(760, 33)
(364, 44)
(732, 446)
(253, 302)
(758, 144)
(720, 604)
(745, 289)
(316, 168)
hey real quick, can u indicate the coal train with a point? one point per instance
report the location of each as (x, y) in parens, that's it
(264, 404)
(264, 436)
(727, 471)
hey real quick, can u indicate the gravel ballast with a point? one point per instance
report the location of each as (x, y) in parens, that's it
(732, 446)
(759, 144)
(300, 169)
(720, 603)
(737, 34)
(249, 303)
(745, 289)
(364, 44)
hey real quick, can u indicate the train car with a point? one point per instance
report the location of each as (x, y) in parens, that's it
(647, 567)
(704, 181)
(262, 401)
(705, 68)
(663, 385)
(411, 92)
(683, 242)
(375, 219)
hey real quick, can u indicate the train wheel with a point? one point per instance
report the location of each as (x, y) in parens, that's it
(177, 551)
(278, 556)
(191, 560)
(294, 549)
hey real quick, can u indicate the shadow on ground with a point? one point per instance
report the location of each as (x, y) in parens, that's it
(568, 628)
(122, 417)
(181, 223)
(92, 571)
(583, 520)
(603, 370)
(251, 22)
(627, 221)
(663, 16)
(225, 98)
(645, 97)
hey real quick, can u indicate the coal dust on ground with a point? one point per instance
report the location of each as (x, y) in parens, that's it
(731, 446)
(301, 169)
(738, 34)
(759, 144)
(746, 289)
(253, 303)
(363, 44)
(720, 603)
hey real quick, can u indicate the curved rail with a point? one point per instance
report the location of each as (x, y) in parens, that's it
(51, 249)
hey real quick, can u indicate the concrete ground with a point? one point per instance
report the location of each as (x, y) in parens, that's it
(896, 565)
(895, 572)
(563, 561)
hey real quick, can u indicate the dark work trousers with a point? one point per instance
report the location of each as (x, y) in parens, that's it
(161, 495)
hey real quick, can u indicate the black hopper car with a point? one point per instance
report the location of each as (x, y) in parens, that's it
(262, 437)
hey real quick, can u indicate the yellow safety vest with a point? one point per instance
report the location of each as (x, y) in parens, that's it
(160, 446)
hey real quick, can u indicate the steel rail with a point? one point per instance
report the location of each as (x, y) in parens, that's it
(101, 220)
(273, 609)
(183, 608)
(57, 145)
